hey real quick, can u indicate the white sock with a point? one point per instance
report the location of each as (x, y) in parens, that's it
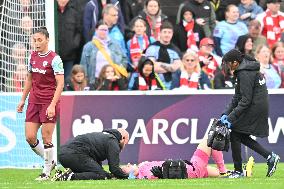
(38, 149)
(48, 160)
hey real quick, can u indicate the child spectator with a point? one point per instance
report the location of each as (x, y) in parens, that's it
(108, 80)
(146, 78)
(138, 43)
(77, 80)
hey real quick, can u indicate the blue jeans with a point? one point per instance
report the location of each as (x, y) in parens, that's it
(67, 65)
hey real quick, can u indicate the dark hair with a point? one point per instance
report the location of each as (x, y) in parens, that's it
(100, 22)
(233, 55)
(241, 43)
(166, 25)
(42, 30)
(141, 64)
(147, 2)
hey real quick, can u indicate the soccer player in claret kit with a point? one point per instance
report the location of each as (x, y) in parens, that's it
(44, 85)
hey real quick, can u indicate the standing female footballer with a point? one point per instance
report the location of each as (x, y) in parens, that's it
(44, 84)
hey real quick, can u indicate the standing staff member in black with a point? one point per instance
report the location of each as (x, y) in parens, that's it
(247, 114)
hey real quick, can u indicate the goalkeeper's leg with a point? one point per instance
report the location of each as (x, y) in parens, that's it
(217, 156)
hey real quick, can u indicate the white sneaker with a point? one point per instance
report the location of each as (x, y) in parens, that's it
(42, 177)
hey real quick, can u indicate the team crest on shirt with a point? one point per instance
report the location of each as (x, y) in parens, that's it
(44, 64)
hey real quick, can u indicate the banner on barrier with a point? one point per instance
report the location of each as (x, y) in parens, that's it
(160, 126)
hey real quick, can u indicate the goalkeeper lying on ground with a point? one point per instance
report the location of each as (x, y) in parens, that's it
(198, 169)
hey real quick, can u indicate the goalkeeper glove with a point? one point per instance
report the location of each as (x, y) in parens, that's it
(227, 123)
(131, 175)
(157, 171)
(223, 117)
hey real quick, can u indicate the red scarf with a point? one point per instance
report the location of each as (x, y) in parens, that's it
(274, 26)
(191, 40)
(189, 82)
(143, 84)
(155, 30)
(209, 68)
(135, 49)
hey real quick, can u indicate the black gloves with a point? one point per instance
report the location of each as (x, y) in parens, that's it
(157, 171)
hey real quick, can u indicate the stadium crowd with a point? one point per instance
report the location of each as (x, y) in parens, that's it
(101, 43)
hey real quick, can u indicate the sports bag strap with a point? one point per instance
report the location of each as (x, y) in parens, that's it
(189, 163)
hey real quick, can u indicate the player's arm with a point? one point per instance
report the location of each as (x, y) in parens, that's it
(27, 88)
(59, 88)
(57, 66)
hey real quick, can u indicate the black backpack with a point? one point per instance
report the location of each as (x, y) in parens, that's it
(218, 136)
(174, 169)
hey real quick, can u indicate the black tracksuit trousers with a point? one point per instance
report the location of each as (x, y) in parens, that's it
(82, 165)
(239, 138)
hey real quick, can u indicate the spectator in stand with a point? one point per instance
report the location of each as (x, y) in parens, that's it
(26, 31)
(108, 80)
(138, 43)
(131, 8)
(209, 62)
(77, 81)
(146, 78)
(110, 18)
(263, 54)
(19, 57)
(165, 55)
(219, 7)
(69, 34)
(204, 15)
(227, 32)
(272, 22)
(278, 60)
(101, 51)
(187, 33)
(35, 9)
(153, 14)
(224, 79)
(255, 34)
(190, 75)
(245, 45)
(249, 10)
(93, 13)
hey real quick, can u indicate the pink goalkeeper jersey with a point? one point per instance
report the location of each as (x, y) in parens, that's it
(146, 166)
(43, 68)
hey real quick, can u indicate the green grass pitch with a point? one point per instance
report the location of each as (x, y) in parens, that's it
(22, 178)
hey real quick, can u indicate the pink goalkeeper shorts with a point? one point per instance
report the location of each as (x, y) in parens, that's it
(200, 162)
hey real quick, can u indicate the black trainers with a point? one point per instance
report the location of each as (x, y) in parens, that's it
(66, 175)
(272, 161)
(234, 174)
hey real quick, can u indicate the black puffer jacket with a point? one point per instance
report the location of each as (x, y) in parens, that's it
(248, 111)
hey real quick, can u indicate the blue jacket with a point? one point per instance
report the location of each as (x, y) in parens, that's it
(254, 9)
(89, 55)
(92, 16)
